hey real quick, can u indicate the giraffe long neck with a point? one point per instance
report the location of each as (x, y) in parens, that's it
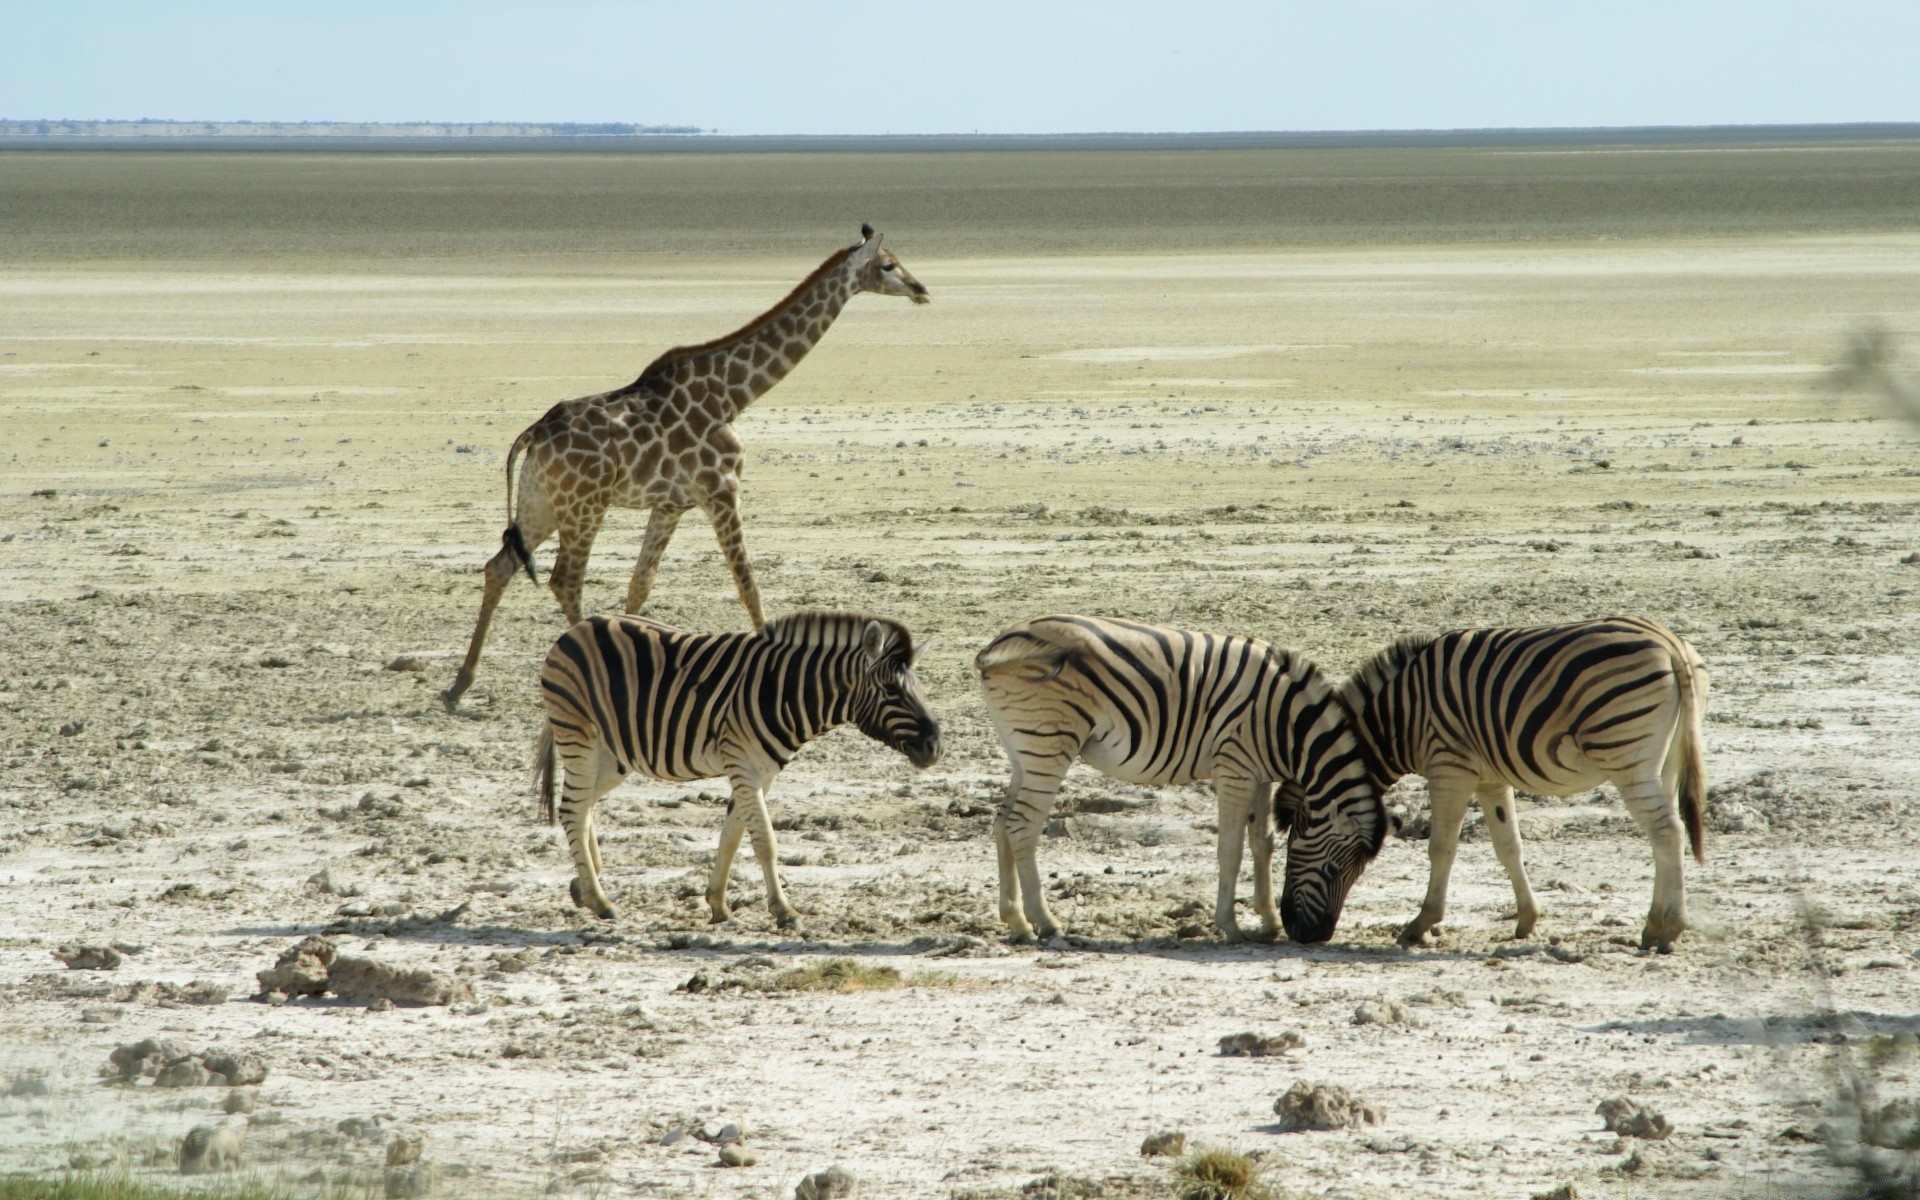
(740, 368)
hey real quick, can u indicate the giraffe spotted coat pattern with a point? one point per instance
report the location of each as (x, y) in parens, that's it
(665, 442)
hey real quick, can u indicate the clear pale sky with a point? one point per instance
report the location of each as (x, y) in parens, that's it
(848, 66)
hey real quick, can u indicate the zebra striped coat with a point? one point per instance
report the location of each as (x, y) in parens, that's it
(1165, 706)
(626, 694)
(1552, 709)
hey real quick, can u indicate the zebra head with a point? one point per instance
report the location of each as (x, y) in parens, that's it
(1336, 831)
(888, 706)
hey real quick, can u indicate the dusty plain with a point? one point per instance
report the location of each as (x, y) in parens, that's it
(253, 410)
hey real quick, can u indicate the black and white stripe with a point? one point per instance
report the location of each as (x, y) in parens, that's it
(1552, 709)
(1154, 705)
(626, 694)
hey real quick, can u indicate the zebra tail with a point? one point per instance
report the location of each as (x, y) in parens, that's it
(511, 539)
(543, 771)
(1693, 763)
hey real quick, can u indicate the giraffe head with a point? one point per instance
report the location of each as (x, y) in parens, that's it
(877, 270)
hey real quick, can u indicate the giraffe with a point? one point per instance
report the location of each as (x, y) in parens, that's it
(665, 442)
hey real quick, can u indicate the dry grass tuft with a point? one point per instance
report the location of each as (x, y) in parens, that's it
(837, 975)
(1219, 1173)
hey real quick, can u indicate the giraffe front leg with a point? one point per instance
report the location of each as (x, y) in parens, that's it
(1503, 827)
(660, 527)
(723, 509)
(753, 794)
(1449, 796)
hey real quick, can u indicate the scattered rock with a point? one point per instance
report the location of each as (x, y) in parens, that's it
(1383, 1012)
(383, 1004)
(674, 1136)
(404, 1151)
(1258, 1045)
(1165, 1144)
(73, 728)
(1912, 559)
(185, 1072)
(830, 1184)
(236, 1070)
(300, 970)
(1318, 1106)
(719, 1134)
(239, 1101)
(365, 979)
(144, 1057)
(29, 1085)
(733, 1154)
(1565, 1191)
(1630, 1118)
(89, 958)
(209, 1148)
(409, 662)
(406, 1183)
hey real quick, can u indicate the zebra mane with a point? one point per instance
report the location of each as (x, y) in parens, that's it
(820, 627)
(1376, 672)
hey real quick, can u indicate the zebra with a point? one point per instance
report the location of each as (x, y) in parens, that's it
(1552, 709)
(1148, 704)
(627, 694)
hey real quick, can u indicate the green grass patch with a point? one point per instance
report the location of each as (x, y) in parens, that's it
(118, 1185)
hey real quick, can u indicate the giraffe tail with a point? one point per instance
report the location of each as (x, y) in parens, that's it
(543, 770)
(511, 540)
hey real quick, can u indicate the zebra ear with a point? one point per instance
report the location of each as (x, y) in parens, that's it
(876, 641)
(919, 646)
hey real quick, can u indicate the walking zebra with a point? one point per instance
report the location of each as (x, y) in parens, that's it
(1164, 706)
(627, 694)
(1553, 709)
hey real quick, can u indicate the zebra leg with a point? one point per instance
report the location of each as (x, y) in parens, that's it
(1233, 800)
(586, 781)
(1260, 830)
(1016, 835)
(1503, 826)
(1652, 805)
(739, 810)
(660, 527)
(1449, 796)
(760, 826)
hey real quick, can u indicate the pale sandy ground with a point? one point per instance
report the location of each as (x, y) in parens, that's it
(1326, 448)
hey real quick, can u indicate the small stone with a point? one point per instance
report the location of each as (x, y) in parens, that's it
(239, 1101)
(88, 958)
(406, 1183)
(733, 1154)
(188, 1072)
(408, 662)
(1383, 1012)
(1259, 1045)
(381, 1004)
(674, 1136)
(1165, 1144)
(1324, 1106)
(830, 1184)
(1565, 1191)
(237, 1070)
(209, 1148)
(718, 1133)
(73, 728)
(301, 969)
(404, 1151)
(29, 1086)
(1630, 1118)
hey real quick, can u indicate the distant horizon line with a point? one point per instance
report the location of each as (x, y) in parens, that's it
(154, 133)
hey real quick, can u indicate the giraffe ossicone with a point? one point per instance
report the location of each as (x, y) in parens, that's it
(665, 442)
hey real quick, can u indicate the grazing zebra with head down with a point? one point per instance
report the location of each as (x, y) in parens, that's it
(626, 694)
(1165, 706)
(1553, 709)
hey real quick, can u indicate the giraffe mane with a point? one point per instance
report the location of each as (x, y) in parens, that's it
(821, 627)
(663, 364)
(1377, 671)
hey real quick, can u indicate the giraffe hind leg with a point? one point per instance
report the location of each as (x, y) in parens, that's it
(660, 526)
(723, 510)
(515, 550)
